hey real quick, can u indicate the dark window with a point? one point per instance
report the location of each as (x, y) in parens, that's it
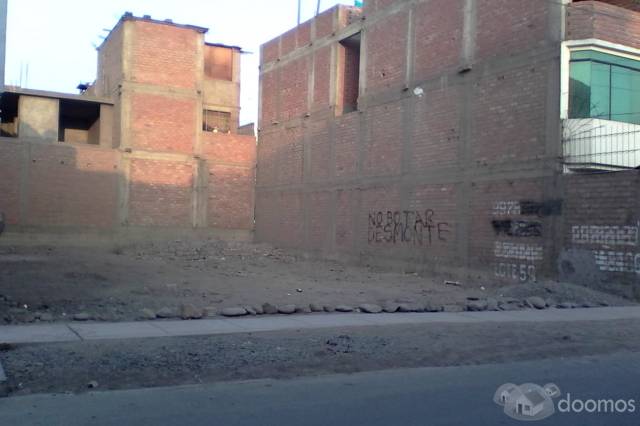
(79, 122)
(348, 75)
(216, 121)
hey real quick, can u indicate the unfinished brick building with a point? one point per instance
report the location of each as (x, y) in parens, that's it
(152, 143)
(481, 139)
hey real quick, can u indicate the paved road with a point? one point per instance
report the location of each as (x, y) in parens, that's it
(74, 332)
(428, 396)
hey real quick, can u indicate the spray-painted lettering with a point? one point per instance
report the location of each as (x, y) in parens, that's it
(419, 228)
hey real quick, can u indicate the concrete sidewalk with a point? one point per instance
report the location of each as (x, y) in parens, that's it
(74, 332)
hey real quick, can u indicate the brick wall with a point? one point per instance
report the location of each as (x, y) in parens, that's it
(414, 176)
(627, 4)
(160, 193)
(110, 63)
(386, 52)
(55, 185)
(163, 123)
(11, 158)
(164, 171)
(596, 19)
(601, 247)
(231, 182)
(165, 55)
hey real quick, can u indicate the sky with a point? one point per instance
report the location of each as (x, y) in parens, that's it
(51, 45)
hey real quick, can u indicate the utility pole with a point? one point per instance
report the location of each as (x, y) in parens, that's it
(298, 11)
(3, 40)
(318, 7)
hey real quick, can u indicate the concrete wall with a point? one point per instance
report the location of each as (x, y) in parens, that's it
(38, 118)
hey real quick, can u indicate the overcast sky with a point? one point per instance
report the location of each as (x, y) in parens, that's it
(51, 43)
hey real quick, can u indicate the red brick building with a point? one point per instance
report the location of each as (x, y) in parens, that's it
(153, 143)
(481, 139)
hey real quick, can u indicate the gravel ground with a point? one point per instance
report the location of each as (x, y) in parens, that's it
(122, 364)
(57, 283)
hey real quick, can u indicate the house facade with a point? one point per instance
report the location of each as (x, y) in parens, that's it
(478, 139)
(153, 143)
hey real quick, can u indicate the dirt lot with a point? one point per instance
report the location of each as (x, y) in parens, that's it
(57, 283)
(122, 364)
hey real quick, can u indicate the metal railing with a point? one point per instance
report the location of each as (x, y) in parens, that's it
(592, 144)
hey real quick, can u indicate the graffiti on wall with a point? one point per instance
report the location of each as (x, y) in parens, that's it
(605, 235)
(419, 228)
(507, 250)
(517, 228)
(614, 244)
(518, 261)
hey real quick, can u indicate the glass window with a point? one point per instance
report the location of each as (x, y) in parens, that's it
(604, 86)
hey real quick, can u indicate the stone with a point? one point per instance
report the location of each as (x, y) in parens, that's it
(268, 308)
(304, 309)
(329, 308)
(566, 305)
(82, 316)
(147, 314)
(165, 313)
(477, 305)
(492, 304)
(287, 309)
(46, 317)
(258, 309)
(536, 302)
(344, 308)
(508, 306)
(410, 307)
(452, 308)
(391, 307)
(316, 308)
(188, 311)
(210, 311)
(250, 310)
(236, 311)
(370, 308)
(431, 307)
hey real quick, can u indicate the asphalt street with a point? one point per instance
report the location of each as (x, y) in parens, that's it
(425, 396)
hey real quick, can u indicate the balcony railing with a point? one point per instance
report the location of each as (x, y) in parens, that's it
(591, 144)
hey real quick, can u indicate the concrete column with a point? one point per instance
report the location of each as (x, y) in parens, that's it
(106, 126)
(465, 102)
(124, 189)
